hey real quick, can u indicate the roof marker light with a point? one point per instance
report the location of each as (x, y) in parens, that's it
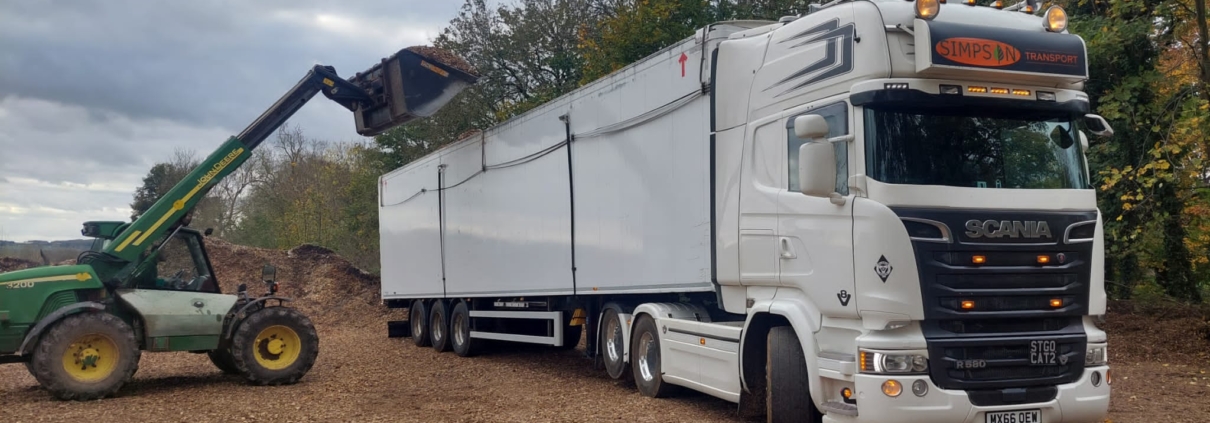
(999, 4)
(928, 9)
(1056, 19)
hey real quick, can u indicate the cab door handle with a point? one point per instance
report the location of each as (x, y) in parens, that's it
(787, 249)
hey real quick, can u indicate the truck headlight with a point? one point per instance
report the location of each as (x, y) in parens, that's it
(1098, 355)
(891, 363)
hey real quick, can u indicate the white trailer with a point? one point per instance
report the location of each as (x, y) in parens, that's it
(876, 211)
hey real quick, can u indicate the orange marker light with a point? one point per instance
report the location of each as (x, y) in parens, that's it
(1023, 93)
(1001, 91)
(970, 2)
(1056, 302)
(702, 341)
(979, 259)
(892, 388)
(1043, 259)
(968, 305)
(846, 393)
(980, 90)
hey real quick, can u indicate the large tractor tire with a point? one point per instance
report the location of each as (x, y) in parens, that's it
(223, 360)
(86, 356)
(275, 346)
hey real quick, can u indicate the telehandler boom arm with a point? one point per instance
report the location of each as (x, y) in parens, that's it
(399, 89)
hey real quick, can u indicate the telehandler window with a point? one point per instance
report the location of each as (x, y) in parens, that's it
(179, 266)
(837, 116)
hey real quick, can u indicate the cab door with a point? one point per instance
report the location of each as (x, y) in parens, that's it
(815, 234)
(175, 293)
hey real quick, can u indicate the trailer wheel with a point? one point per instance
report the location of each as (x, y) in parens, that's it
(788, 397)
(460, 331)
(418, 315)
(439, 326)
(275, 346)
(86, 356)
(613, 345)
(645, 360)
(222, 359)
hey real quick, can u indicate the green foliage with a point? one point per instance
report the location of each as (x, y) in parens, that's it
(639, 28)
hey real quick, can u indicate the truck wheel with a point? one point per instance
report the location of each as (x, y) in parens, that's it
(439, 326)
(418, 315)
(460, 331)
(222, 359)
(645, 360)
(613, 345)
(788, 398)
(275, 346)
(86, 356)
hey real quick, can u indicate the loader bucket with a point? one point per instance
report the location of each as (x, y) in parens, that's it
(414, 83)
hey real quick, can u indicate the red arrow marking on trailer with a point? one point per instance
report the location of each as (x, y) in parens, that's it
(683, 59)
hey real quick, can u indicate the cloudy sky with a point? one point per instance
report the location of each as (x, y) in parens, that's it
(92, 94)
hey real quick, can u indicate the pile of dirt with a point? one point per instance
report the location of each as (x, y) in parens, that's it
(322, 284)
(8, 264)
(1162, 331)
(443, 57)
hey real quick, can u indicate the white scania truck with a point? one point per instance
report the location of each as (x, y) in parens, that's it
(877, 211)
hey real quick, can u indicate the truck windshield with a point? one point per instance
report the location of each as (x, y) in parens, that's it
(963, 149)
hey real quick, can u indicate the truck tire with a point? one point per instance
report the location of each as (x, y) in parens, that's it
(418, 315)
(86, 356)
(439, 326)
(460, 331)
(788, 397)
(645, 360)
(223, 360)
(275, 346)
(613, 345)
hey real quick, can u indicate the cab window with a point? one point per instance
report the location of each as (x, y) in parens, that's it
(180, 265)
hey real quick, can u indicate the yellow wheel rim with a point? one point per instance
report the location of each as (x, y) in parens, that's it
(91, 358)
(277, 347)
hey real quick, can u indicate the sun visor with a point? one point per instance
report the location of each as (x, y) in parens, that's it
(960, 51)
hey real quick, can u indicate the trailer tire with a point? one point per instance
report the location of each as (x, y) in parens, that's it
(275, 346)
(223, 360)
(613, 345)
(645, 361)
(439, 326)
(100, 340)
(418, 316)
(788, 397)
(460, 331)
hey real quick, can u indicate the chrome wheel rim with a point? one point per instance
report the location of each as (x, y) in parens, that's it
(613, 346)
(417, 323)
(459, 336)
(437, 333)
(646, 357)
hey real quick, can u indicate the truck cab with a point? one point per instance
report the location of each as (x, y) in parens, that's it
(911, 181)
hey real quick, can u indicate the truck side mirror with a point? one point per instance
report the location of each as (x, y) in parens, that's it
(816, 168)
(269, 273)
(810, 127)
(1098, 125)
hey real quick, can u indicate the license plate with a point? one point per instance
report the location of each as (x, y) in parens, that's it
(1021, 416)
(1043, 353)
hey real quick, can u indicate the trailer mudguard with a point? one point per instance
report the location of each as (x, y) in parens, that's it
(53, 317)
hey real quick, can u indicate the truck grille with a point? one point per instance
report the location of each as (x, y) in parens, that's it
(988, 346)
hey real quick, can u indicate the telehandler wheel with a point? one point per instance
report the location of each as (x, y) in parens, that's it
(222, 359)
(86, 356)
(275, 346)
(439, 326)
(788, 396)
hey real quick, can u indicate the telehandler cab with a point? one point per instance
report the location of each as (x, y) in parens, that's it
(148, 284)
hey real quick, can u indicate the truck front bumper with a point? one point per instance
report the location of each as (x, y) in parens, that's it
(1078, 402)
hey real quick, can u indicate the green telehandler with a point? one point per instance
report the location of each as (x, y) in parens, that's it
(147, 285)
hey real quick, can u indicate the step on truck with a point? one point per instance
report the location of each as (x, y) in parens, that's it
(876, 211)
(147, 285)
